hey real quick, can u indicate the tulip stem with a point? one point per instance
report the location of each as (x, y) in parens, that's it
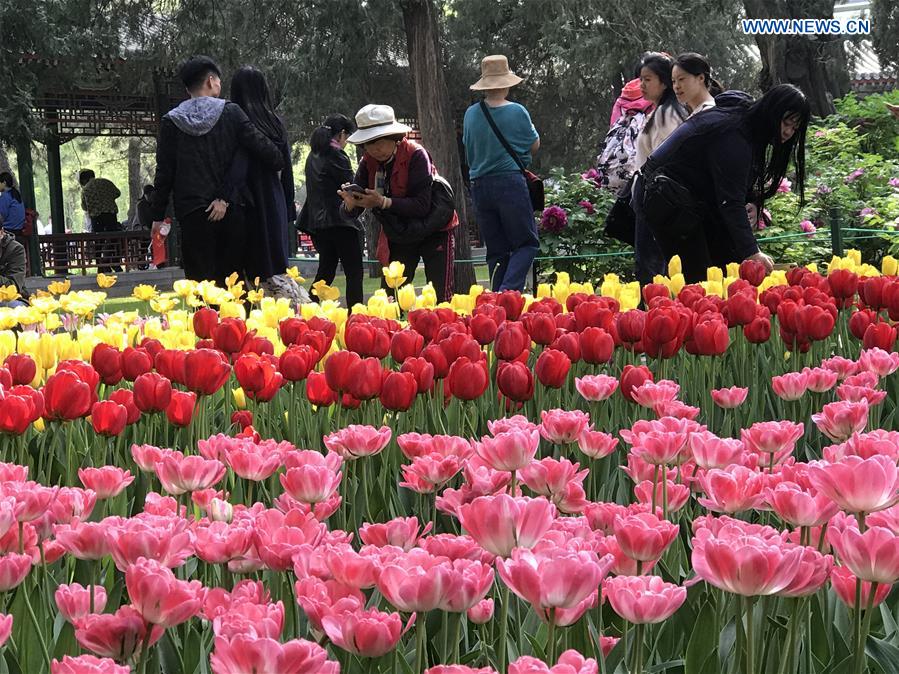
(638, 649)
(421, 659)
(860, 658)
(503, 627)
(750, 644)
(551, 637)
(37, 627)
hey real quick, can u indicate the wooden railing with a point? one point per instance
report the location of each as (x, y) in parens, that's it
(65, 254)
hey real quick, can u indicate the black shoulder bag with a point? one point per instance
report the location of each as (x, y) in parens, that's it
(534, 182)
(670, 209)
(415, 230)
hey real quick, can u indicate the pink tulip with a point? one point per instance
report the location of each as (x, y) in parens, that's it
(369, 633)
(32, 499)
(872, 556)
(278, 536)
(87, 664)
(311, 484)
(596, 387)
(415, 581)
(107, 481)
(774, 440)
(554, 578)
(403, 532)
(858, 485)
(220, 542)
(252, 461)
(413, 445)
(74, 601)
(509, 450)
(500, 523)
(243, 654)
(858, 394)
(661, 447)
(729, 398)
(744, 564)
(481, 613)
(356, 441)
(560, 427)
(549, 477)
(596, 444)
(887, 518)
(164, 539)
(180, 474)
(814, 570)
(262, 621)
(467, 584)
(842, 366)
(820, 380)
(710, 451)
(878, 361)
(841, 419)
(14, 568)
(800, 507)
(790, 386)
(147, 456)
(643, 536)
(732, 489)
(844, 585)
(427, 474)
(570, 662)
(678, 494)
(496, 426)
(6, 628)
(118, 635)
(649, 394)
(870, 444)
(458, 669)
(643, 599)
(83, 540)
(161, 598)
(319, 598)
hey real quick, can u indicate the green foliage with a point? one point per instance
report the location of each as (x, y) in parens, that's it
(583, 234)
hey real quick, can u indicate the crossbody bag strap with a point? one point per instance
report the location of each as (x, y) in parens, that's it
(502, 138)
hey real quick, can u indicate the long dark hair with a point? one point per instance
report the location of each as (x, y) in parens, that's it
(661, 65)
(250, 91)
(770, 157)
(696, 65)
(320, 140)
(7, 179)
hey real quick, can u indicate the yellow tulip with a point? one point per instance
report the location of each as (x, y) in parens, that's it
(39, 425)
(162, 305)
(144, 292)
(405, 297)
(45, 352)
(812, 267)
(889, 266)
(475, 290)
(714, 274)
(9, 293)
(7, 344)
(233, 310)
(294, 273)
(462, 303)
(240, 400)
(255, 296)
(106, 280)
(677, 284)
(544, 290)
(733, 269)
(393, 274)
(674, 266)
(52, 322)
(59, 287)
(184, 287)
(428, 296)
(325, 292)
(855, 256)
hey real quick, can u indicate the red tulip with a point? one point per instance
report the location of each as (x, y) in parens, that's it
(16, 413)
(552, 368)
(879, 335)
(66, 396)
(135, 362)
(365, 378)
(337, 369)
(205, 371)
(511, 340)
(758, 331)
(711, 337)
(483, 329)
(597, 346)
(152, 392)
(406, 343)
(125, 398)
(170, 363)
(631, 378)
(467, 380)
(205, 321)
(107, 361)
(180, 410)
(258, 376)
(366, 339)
(422, 370)
(515, 380)
(229, 334)
(643, 599)
(318, 392)
(398, 391)
(22, 368)
(541, 327)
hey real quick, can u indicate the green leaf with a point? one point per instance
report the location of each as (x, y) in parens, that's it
(699, 658)
(884, 654)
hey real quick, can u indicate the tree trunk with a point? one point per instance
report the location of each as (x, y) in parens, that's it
(817, 66)
(135, 180)
(4, 160)
(435, 117)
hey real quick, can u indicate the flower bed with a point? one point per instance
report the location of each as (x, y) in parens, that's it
(508, 484)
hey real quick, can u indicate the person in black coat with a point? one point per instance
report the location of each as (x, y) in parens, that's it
(337, 239)
(730, 155)
(197, 144)
(268, 194)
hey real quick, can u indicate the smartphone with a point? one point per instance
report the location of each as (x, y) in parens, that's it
(355, 188)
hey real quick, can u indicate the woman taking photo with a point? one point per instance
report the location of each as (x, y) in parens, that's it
(268, 194)
(499, 191)
(693, 84)
(337, 240)
(396, 180)
(713, 165)
(657, 87)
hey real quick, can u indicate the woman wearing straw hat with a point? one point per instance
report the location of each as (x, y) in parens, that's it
(395, 179)
(498, 187)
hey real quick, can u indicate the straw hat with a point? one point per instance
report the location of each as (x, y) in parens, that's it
(376, 121)
(495, 74)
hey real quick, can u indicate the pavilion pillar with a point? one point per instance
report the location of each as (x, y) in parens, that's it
(57, 206)
(26, 187)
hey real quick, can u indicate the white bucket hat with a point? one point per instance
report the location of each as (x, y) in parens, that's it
(495, 74)
(376, 121)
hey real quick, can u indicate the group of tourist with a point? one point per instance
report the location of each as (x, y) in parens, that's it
(694, 164)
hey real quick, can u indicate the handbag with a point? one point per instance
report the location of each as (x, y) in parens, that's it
(621, 222)
(414, 230)
(534, 182)
(671, 210)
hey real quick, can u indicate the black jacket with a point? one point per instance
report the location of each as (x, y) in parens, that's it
(196, 147)
(325, 173)
(12, 262)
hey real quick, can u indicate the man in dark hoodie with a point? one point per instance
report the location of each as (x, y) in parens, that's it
(12, 266)
(197, 143)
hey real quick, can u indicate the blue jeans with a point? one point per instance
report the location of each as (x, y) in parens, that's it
(508, 228)
(649, 259)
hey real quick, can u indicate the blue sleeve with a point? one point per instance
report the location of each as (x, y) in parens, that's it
(5, 201)
(528, 132)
